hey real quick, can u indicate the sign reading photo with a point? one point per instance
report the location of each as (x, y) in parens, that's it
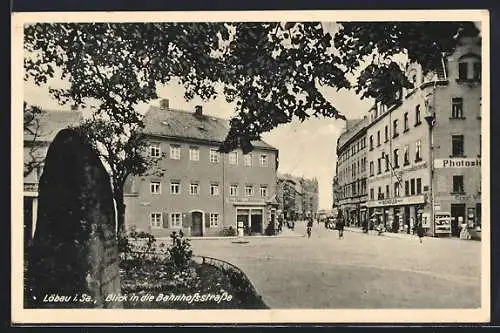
(457, 163)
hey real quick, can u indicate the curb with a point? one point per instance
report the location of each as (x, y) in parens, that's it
(233, 237)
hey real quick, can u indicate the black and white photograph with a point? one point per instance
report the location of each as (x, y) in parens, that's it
(250, 167)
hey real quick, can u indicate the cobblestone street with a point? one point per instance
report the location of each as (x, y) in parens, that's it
(360, 271)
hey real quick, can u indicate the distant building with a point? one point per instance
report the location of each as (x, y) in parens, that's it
(351, 171)
(38, 135)
(202, 191)
(299, 196)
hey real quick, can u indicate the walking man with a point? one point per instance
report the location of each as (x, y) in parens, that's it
(340, 228)
(420, 231)
(309, 227)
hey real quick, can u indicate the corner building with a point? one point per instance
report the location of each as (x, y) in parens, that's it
(424, 151)
(200, 190)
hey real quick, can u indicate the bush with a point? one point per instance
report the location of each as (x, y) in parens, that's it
(180, 252)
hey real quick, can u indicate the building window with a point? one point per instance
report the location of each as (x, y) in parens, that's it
(395, 128)
(396, 158)
(396, 189)
(457, 145)
(412, 186)
(233, 158)
(418, 156)
(371, 142)
(386, 162)
(380, 195)
(194, 189)
(247, 160)
(249, 190)
(214, 219)
(372, 194)
(405, 121)
(387, 193)
(407, 155)
(175, 152)
(476, 75)
(371, 168)
(154, 150)
(175, 187)
(155, 187)
(462, 70)
(458, 184)
(457, 107)
(418, 120)
(378, 138)
(233, 190)
(407, 188)
(214, 189)
(386, 131)
(480, 145)
(156, 220)
(214, 155)
(379, 169)
(419, 185)
(263, 191)
(194, 154)
(175, 220)
(263, 160)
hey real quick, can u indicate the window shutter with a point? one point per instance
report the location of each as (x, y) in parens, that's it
(165, 220)
(207, 220)
(186, 220)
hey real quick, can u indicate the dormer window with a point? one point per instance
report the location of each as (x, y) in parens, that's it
(469, 67)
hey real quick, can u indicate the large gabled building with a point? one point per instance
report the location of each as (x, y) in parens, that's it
(202, 191)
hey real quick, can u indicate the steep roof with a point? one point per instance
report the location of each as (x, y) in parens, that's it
(353, 126)
(187, 125)
(49, 122)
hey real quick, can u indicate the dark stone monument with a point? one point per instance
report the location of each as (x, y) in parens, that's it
(73, 260)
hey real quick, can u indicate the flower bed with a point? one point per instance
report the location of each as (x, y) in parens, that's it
(160, 276)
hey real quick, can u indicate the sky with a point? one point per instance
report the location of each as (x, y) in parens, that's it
(305, 148)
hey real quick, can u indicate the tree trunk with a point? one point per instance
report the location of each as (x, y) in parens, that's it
(120, 210)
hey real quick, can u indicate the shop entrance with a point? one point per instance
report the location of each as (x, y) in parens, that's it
(457, 217)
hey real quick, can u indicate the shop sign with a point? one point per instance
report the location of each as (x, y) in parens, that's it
(419, 199)
(457, 163)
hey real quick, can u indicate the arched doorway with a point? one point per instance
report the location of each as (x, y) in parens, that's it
(196, 223)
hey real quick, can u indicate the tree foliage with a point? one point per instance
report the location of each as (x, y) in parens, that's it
(31, 129)
(375, 45)
(272, 71)
(123, 149)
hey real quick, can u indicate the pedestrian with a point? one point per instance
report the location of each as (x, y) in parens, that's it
(420, 231)
(340, 228)
(309, 227)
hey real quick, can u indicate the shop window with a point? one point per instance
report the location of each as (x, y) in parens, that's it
(458, 184)
(457, 143)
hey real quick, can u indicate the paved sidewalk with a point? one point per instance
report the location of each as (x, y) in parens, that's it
(400, 235)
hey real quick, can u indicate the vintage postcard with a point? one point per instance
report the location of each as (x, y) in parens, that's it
(250, 167)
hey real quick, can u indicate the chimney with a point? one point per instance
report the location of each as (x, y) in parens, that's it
(164, 104)
(198, 110)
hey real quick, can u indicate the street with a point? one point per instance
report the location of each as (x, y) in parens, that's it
(359, 271)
